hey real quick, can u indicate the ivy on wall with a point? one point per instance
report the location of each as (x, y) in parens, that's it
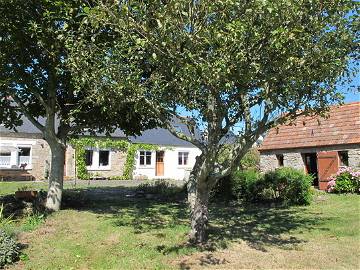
(81, 144)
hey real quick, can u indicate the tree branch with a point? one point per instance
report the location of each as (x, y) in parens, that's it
(27, 114)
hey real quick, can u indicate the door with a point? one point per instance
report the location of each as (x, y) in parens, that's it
(310, 161)
(159, 171)
(328, 164)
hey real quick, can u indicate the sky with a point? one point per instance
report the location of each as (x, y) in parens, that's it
(353, 94)
(352, 97)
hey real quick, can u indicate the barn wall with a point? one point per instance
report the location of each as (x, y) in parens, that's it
(293, 157)
(354, 157)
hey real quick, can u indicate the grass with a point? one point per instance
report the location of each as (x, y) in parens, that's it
(10, 187)
(149, 234)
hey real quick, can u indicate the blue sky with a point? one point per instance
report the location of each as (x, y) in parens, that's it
(351, 97)
(354, 95)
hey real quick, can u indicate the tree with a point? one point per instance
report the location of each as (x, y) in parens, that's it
(230, 65)
(36, 81)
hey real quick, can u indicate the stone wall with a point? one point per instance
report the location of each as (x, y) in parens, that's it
(117, 161)
(354, 157)
(294, 160)
(268, 162)
(41, 157)
(40, 153)
(70, 163)
(293, 157)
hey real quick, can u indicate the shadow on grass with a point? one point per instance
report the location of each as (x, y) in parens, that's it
(259, 226)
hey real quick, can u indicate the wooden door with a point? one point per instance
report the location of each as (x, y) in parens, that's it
(328, 164)
(159, 163)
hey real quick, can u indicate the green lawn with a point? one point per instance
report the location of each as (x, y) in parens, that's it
(145, 234)
(11, 187)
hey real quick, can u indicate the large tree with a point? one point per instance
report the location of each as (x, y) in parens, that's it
(36, 81)
(227, 65)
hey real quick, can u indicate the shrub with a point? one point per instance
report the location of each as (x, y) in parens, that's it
(251, 160)
(247, 185)
(290, 185)
(346, 180)
(282, 185)
(162, 188)
(9, 249)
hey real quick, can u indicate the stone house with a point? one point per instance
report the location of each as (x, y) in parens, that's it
(25, 155)
(317, 145)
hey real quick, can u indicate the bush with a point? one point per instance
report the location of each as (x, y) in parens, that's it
(282, 185)
(290, 185)
(346, 180)
(247, 185)
(162, 188)
(251, 160)
(9, 249)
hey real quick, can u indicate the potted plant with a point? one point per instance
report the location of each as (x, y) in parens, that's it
(25, 193)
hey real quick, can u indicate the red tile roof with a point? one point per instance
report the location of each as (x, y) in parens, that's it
(342, 127)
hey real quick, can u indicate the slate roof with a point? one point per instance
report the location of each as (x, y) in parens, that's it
(342, 127)
(158, 136)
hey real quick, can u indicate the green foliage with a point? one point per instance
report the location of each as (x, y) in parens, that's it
(290, 185)
(251, 160)
(4, 221)
(35, 70)
(80, 144)
(9, 249)
(345, 183)
(161, 187)
(283, 185)
(346, 180)
(130, 158)
(247, 184)
(32, 222)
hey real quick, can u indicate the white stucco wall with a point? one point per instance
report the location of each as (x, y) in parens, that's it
(171, 168)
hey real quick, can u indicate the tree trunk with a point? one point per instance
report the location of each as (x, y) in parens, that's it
(56, 178)
(200, 215)
(191, 190)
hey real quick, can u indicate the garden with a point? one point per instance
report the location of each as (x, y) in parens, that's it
(273, 220)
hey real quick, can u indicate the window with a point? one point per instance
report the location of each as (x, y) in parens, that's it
(280, 159)
(145, 157)
(24, 156)
(103, 158)
(183, 158)
(5, 158)
(89, 157)
(344, 158)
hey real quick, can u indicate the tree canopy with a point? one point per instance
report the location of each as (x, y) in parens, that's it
(36, 80)
(222, 66)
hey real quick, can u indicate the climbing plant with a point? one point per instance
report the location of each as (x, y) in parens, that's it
(80, 145)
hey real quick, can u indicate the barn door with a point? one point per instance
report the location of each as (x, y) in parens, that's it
(328, 164)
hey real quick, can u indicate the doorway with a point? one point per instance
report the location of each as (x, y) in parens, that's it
(310, 160)
(159, 170)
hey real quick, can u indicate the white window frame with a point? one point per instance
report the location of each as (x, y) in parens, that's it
(104, 167)
(182, 153)
(14, 154)
(28, 166)
(151, 159)
(95, 160)
(92, 158)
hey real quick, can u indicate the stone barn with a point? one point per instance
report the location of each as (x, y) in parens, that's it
(317, 145)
